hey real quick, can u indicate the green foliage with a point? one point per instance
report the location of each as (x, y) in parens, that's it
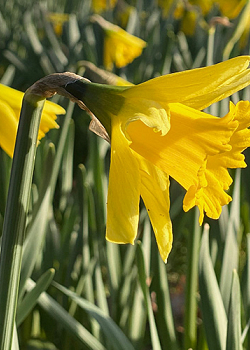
(105, 296)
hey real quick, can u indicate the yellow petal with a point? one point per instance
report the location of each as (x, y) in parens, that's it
(151, 113)
(53, 109)
(11, 96)
(180, 153)
(120, 47)
(209, 198)
(232, 8)
(47, 123)
(123, 191)
(209, 194)
(13, 99)
(197, 88)
(155, 194)
(8, 128)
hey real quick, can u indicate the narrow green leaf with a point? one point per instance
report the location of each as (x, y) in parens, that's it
(191, 285)
(30, 299)
(61, 146)
(165, 317)
(114, 265)
(145, 290)
(113, 333)
(63, 318)
(67, 167)
(137, 317)
(100, 291)
(15, 343)
(212, 307)
(246, 293)
(37, 228)
(231, 250)
(234, 316)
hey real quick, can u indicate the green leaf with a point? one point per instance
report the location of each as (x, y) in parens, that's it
(37, 229)
(30, 299)
(145, 290)
(234, 316)
(112, 332)
(231, 250)
(15, 344)
(65, 320)
(191, 285)
(165, 317)
(67, 167)
(212, 307)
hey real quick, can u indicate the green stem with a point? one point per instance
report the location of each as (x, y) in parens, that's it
(191, 285)
(16, 213)
(19, 194)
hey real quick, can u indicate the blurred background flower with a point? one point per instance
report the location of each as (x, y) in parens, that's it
(10, 107)
(120, 47)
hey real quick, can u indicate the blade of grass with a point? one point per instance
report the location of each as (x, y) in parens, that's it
(191, 285)
(145, 290)
(61, 146)
(165, 318)
(231, 250)
(234, 316)
(113, 333)
(246, 293)
(37, 229)
(63, 318)
(67, 167)
(212, 307)
(30, 299)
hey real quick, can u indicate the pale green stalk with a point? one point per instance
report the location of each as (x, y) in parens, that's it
(191, 285)
(16, 213)
(19, 194)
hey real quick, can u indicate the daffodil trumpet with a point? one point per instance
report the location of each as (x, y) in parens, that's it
(157, 129)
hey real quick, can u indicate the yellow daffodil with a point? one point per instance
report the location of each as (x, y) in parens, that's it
(120, 47)
(58, 20)
(99, 6)
(10, 107)
(232, 8)
(192, 13)
(157, 129)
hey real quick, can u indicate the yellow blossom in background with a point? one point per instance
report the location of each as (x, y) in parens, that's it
(189, 21)
(10, 107)
(167, 6)
(192, 13)
(232, 8)
(157, 130)
(204, 5)
(58, 20)
(120, 47)
(99, 6)
(124, 11)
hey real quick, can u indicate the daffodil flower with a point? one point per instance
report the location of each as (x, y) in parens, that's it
(99, 6)
(120, 47)
(10, 107)
(58, 20)
(157, 130)
(231, 9)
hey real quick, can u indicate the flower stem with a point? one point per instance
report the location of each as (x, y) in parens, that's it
(16, 213)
